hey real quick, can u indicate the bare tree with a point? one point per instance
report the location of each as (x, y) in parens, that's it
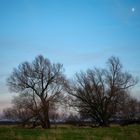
(23, 109)
(42, 82)
(129, 110)
(97, 93)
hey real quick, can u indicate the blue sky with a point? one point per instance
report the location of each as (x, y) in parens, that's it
(80, 34)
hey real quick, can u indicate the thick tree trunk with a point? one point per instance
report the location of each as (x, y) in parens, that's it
(102, 120)
(45, 117)
(46, 122)
(46, 125)
(104, 124)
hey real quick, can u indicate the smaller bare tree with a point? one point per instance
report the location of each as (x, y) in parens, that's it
(97, 93)
(129, 110)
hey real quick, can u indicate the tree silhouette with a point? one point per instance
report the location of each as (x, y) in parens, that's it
(98, 92)
(42, 83)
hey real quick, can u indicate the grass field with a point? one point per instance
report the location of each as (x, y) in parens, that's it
(131, 132)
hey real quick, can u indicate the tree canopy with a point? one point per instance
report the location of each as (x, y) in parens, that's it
(41, 82)
(99, 92)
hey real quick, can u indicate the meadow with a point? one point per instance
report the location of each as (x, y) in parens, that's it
(68, 132)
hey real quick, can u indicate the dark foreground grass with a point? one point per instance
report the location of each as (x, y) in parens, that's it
(131, 132)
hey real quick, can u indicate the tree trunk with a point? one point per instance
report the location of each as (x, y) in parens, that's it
(104, 124)
(45, 117)
(46, 125)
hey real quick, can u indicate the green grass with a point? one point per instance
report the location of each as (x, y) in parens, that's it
(131, 132)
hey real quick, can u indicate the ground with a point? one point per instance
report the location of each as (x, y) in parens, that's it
(68, 132)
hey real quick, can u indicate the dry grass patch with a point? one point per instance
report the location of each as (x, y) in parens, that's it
(42, 137)
(106, 138)
(135, 135)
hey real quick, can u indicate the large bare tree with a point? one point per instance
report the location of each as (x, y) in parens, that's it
(98, 92)
(42, 83)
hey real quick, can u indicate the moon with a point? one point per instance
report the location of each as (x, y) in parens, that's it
(133, 9)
